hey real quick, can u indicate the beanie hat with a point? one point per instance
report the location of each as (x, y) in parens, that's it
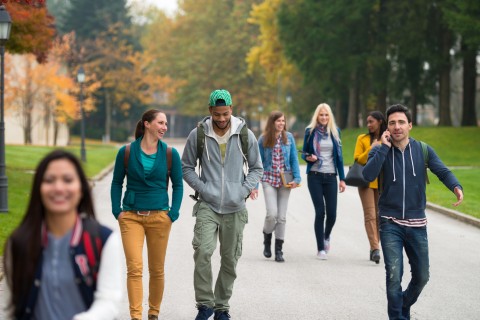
(220, 97)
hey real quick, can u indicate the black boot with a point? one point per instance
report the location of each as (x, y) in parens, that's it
(278, 250)
(267, 242)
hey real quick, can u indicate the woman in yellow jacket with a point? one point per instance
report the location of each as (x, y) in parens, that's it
(376, 125)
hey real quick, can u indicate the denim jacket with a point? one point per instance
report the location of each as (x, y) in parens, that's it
(290, 157)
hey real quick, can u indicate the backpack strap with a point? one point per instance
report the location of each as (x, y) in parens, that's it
(200, 147)
(244, 141)
(126, 157)
(200, 142)
(425, 159)
(93, 238)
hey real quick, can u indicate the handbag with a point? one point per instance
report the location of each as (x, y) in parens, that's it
(354, 176)
(287, 177)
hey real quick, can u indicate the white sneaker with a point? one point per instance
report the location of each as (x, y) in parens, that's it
(326, 245)
(322, 255)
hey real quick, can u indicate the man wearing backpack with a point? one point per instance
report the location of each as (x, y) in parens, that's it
(403, 225)
(222, 187)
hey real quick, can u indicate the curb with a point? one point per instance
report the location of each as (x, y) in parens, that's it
(455, 214)
(101, 175)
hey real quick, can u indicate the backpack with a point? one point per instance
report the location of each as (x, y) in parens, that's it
(126, 157)
(201, 146)
(425, 158)
(93, 241)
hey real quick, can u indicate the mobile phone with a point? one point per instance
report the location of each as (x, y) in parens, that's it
(305, 153)
(389, 139)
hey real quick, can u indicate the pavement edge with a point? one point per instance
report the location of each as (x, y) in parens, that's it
(455, 214)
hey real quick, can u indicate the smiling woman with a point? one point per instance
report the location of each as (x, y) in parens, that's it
(51, 245)
(144, 211)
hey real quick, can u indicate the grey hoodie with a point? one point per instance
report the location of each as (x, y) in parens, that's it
(222, 185)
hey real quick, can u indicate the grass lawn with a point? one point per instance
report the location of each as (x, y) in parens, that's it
(457, 147)
(21, 162)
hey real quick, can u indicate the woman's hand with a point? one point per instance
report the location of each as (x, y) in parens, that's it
(120, 215)
(376, 143)
(254, 194)
(293, 185)
(342, 186)
(311, 158)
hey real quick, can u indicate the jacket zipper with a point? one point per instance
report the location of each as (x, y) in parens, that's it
(403, 182)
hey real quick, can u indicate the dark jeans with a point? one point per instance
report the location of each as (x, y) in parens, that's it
(394, 238)
(323, 191)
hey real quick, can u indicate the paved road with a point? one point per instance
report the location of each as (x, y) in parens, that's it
(347, 286)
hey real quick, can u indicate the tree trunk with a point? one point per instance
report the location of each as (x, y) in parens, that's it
(339, 113)
(413, 106)
(469, 115)
(352, 102)
(382, 101)
(108, 115)
(444, 79)
(55, 132)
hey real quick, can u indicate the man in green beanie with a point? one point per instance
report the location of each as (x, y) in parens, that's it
(223, 188)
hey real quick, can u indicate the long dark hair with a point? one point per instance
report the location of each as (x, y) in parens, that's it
(269, 137)
(383, 124)
(148, 116)
(24, 246)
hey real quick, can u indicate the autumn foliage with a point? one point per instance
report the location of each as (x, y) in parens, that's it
(32, 28)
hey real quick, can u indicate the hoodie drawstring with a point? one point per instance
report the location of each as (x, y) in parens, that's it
(206, 148)
(411, 159)
(393, 165)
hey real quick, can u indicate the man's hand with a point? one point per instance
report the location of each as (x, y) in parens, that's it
(254, 194)
(386, 138)
(459, 193)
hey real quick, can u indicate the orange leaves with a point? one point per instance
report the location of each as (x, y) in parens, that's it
(32, 29)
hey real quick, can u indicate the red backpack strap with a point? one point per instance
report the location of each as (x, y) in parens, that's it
(126, 157)
(169, 163)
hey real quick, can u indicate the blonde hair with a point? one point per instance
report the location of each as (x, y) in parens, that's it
(331, 125)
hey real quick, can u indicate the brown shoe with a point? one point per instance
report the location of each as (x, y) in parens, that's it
(152, 317)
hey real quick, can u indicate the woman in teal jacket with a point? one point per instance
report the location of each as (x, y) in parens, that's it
(145, 211)
(279, 154)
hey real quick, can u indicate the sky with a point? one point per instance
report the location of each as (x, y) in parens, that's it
(168, 5)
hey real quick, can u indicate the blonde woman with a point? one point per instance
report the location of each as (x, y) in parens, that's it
(322, 150)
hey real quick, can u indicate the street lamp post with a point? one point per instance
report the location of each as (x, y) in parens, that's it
(81, 80)
(5, 25)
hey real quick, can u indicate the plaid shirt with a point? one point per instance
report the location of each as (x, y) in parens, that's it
(273, 177)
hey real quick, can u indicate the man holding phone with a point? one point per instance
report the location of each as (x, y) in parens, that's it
(400, 162)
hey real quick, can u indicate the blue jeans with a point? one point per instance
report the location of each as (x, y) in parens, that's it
(323, 191)
(394, 238)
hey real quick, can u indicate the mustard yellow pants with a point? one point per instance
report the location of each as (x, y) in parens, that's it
(369, 198)
(155, 228)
